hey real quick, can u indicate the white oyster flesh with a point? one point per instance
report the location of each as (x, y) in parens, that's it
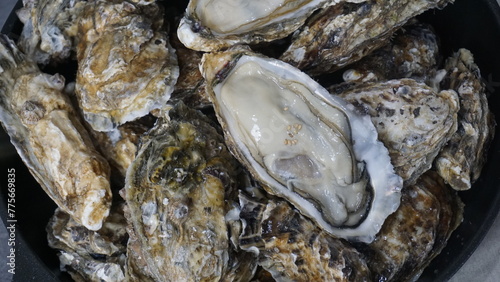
(307, 146)
(213, 24)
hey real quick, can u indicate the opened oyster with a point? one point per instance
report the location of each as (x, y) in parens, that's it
(178, 192)
(303, 144)
(210, 25)
(119, 82)
(51, 140)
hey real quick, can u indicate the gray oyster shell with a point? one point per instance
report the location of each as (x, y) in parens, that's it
(90, 255)
(178, 192)
(291, 247)
(413, 52)
(49, 30)
(119, 82)
(461, 160)
(50, 138)
(413, 120)
(344, 33)
(417, 232)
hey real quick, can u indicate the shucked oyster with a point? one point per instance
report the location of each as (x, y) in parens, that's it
(210, 25)
(344, 33)
(412, 120)
(291, 247)
(303, 144)
(51, 140)
(178, 192)
(126, 66)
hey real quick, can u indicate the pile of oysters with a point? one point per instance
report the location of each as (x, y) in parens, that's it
(230, 140)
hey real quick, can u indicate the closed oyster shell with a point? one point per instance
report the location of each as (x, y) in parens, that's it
(411, 237)
(90, 255)
(51, 140)
(413, 121)
(49, 29)
(302, 144)
(210, 25)
(413, 52)
(344, 33)
(119, 82)
(291, 248)
(461, 160)
(178, 192)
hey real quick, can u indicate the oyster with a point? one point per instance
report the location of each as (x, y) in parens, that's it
(303, 144)
(291, 248)
(178, 192)
(412, 53)
(119, 82)
(51, 140)
(49, 29)
(411, 237)
(210, 25)
(90, 255)
(413, 121)
(344, 33)
(461, 160)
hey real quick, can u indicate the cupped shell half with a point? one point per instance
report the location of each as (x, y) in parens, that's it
(303, 144)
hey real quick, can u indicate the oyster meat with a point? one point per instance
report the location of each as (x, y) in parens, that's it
(412, 236)
(344, 33)
(291, 247)
(126, 66)
(210, 25)
(412, 120)
(90, 255)
(178, 191)
(51, 140)
(303, 144)
(461, 160)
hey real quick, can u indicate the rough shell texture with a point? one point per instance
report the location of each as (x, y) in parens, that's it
(291, 248)
(413, 52)
(412, 120)
(416, 232)
(51, 140)
(119, 82)
(49, 29)
(337, 36)
(90, 255)
(461, 160)
(178, 191)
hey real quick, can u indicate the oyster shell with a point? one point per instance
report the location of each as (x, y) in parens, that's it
(51, 140)
(303, 144)
(49, 29)
(90, 255)
(344, 33)
(461, 160)
(412, 53)
(291, 248)
(119, 82)
(210, 25)
(411, 237)
(413, 121)
(178, 192)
